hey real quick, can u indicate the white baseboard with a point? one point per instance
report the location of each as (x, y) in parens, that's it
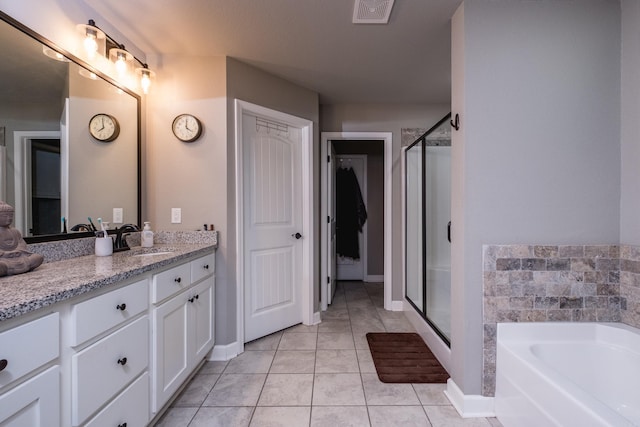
(374, 278)
(469, 406)
(225, 352)
(397, 305)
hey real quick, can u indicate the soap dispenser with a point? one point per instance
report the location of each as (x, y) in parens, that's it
(147, 236)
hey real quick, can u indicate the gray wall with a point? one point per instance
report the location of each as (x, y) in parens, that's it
(250, 84)
(375, 199)
(385, 118)
(630, 142)
(537, 85)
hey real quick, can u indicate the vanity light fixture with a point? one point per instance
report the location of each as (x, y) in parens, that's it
(122, 59)
(146, 75)
(86, 73)
(94, 40)
(53, 54)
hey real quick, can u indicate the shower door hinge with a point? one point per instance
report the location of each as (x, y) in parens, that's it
(328, 159)
(328, 219)
(328, 279)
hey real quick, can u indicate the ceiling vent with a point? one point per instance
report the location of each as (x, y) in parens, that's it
(372, 11)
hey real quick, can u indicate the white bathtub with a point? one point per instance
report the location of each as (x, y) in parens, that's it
(567, 374)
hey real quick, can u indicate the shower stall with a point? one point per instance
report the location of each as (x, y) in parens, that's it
(428, 226)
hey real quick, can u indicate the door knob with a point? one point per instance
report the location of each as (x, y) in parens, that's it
(297, 235)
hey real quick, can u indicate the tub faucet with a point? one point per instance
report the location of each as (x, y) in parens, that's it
(120, 244)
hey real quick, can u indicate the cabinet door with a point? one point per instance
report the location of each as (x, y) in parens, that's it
(170, 357)
(101, 370)
(22, 355)
(202, 318)
(130, 408)
(36, 403)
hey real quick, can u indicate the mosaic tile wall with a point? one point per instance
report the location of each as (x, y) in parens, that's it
(536, 283)
(630, 285)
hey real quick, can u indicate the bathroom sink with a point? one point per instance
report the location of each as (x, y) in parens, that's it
(148, 252)
(152, 254)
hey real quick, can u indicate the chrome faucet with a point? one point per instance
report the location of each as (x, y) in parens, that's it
(120, 244)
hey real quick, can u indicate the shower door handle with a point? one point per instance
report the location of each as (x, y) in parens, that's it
(449, 231)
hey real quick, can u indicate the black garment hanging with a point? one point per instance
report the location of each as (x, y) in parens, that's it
(351, 213)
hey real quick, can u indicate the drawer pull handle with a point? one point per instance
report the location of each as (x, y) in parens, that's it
(122, 361)
(121, 307)
(177, 279)
(206, 266)
(122, 425)
(3, 364)
(195, 297)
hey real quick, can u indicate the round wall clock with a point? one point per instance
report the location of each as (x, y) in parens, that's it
(187, 127)
(104, 127)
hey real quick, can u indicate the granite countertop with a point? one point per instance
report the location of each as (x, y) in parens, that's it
(58, 281)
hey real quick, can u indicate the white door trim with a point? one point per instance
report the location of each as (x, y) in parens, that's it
(22, 182)
(306, 126)
(387, 138)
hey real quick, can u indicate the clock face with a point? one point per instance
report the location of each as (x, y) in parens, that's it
(104, 127)
(187, 127)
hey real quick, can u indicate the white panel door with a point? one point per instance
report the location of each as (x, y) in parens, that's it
(272, 193)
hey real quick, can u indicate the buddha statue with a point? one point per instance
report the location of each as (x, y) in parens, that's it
(14, 257)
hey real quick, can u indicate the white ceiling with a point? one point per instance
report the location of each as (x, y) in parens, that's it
(309, 42)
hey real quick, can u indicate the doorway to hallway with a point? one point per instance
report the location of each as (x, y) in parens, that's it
(338, 143)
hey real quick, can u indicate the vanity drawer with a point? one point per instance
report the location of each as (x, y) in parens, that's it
(130, 408)
(34, 403)
(24, 355)
(170, 282)
(202, 267)
(101, 370)
(99, 314)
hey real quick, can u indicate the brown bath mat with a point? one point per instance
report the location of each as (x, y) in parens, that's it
(404, 358)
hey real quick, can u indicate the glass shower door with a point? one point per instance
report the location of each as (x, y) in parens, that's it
(428, 213)
(414, 241)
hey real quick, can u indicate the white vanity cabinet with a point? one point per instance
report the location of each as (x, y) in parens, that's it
(27, 399)
(182, 325)
(109, 352)
(110, 338)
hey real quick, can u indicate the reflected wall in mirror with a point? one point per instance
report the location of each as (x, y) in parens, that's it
(50, 166)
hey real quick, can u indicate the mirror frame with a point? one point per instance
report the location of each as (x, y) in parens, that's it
(39, 38)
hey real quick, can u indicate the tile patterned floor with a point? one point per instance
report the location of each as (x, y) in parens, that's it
(316, 376)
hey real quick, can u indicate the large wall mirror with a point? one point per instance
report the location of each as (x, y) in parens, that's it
(50, 166)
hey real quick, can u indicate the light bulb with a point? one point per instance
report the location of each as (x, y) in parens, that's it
(145, 82)
(146, 77)
(121, 63)
(90, 44)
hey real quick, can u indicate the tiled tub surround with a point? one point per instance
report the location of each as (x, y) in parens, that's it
(58, 281)
(546, 283)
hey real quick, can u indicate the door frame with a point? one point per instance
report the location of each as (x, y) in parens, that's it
(326, 139)
(22, 178)
(306, 127)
